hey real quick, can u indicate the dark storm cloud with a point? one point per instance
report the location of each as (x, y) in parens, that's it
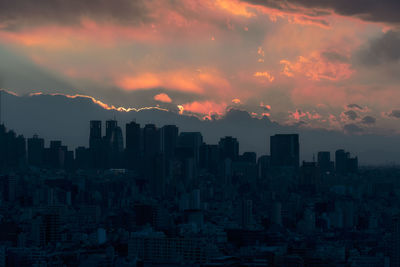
(352, 115)
(384, 49)
(355, 106)
(369, 10)
(394, 113)
(368, 120)
(17, 13)
(352, 128)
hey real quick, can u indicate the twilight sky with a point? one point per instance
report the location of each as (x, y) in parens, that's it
(333, 64)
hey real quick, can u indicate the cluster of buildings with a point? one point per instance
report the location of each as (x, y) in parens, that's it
(161, 197)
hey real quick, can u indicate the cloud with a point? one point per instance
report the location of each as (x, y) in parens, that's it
(163, 98)
(394, 113)
(352, 115)
(265, 75)
(369, 10)
(316, 67)
(368, 120)
(381, 50)
(17, 13)
(350, 106)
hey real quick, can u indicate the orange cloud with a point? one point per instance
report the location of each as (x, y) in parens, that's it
(197, 82)
(163, 98)
(207, 108)
(265, 75)
(235, 7)
(315, 67)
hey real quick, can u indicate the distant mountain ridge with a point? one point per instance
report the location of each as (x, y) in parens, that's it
(57, 117)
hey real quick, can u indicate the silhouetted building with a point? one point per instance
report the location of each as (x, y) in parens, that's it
(324, 161)
(169, 140)
(134, 144)
(151, 141)
(285, 150)
(229, 148)
(264, 164)
(191, 141)
(110, 127)
(83, 158)
(96, 145)
(310, 178)
(395, 242)
(344, 163)
(35, 151)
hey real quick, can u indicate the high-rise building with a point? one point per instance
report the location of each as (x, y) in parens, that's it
(151, 141)
(95, 133)
(35, 150)
(324, 161)
(191, 141)
(110, 126)
(284, 150)
(246, 213)
(133, 135)
(169, 140)
(229, 148)
(395, 242)
(340, 160)
(345, 163)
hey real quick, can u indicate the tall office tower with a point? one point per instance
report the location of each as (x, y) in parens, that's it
(151, 141)
(250, 157)
(95, 134)
(191, 141)
(134, 145)
(264, 163)
(209, 157)
(110, 127)
(35, 150)
(340, 160)
(395, 242)
(169, 140)
(133, 135)
(229, 148)
(96, 145)
(324, 161)
(114, 144)
(246, 213)
(284, 149)
(117, 140)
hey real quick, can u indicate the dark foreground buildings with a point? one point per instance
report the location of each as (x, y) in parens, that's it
(161, 197)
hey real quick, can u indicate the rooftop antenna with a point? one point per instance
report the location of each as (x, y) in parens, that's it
(313, 157)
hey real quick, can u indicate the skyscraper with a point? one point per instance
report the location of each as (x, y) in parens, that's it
(169, 140)
(110, 126)
(133, 137)
(35, 150)
(229, 148)
(95, 133)
(340, 160)
(284, 149)
(151, 141)
(96, 146)
(192, 141)
(324, 161)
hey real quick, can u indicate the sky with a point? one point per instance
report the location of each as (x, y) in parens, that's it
(332, 64)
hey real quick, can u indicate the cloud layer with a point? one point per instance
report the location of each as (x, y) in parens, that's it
(320, 64)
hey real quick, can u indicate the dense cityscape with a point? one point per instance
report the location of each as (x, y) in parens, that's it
(168, 199)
